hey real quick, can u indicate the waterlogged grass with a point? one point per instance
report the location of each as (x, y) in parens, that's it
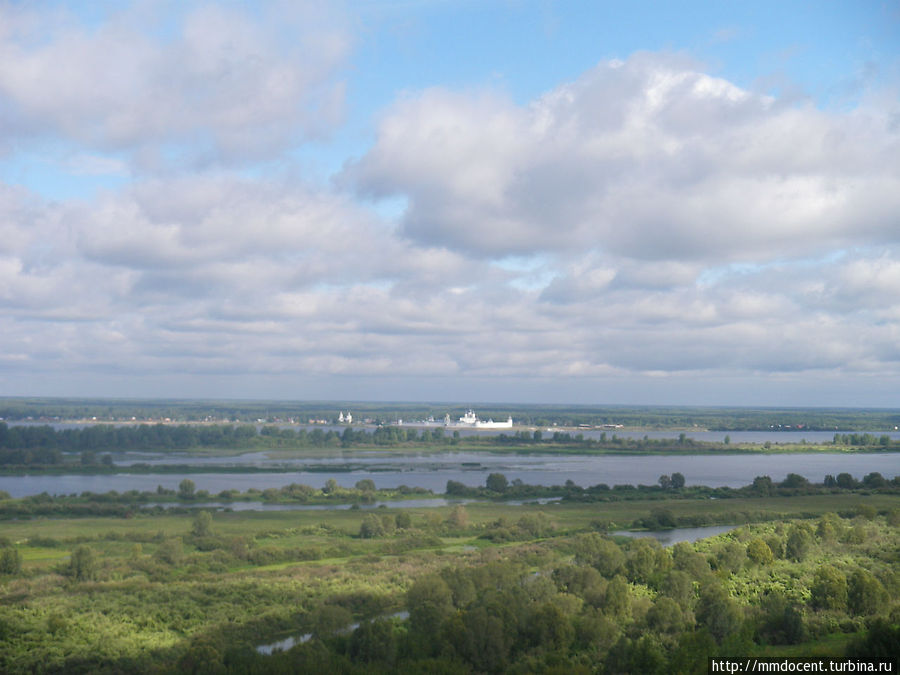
(313, 528)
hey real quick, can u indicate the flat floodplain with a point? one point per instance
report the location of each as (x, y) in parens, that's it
(442, 553)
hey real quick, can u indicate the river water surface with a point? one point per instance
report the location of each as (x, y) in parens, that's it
(432, 471)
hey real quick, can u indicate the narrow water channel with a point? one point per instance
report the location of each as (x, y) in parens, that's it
(288, 642)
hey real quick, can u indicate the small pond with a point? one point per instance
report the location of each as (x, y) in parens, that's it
(678, 534)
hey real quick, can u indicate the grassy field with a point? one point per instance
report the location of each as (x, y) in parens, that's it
(568, 516)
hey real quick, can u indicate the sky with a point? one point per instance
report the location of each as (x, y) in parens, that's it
(514, 201)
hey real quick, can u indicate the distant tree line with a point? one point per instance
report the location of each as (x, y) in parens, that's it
(649, 417)
(497, 486)
(862, 439)
(43, 445)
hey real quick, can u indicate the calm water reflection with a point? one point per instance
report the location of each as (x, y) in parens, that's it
(265, 506)
(678, 534)
(287, 643)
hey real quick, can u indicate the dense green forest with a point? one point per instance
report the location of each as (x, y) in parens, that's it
(645, 417)
(488, 587)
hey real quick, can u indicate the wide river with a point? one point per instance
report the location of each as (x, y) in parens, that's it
(433, 470)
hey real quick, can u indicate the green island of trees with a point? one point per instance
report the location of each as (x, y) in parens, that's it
(88, 449)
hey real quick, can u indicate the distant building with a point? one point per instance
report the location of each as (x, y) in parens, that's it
(470, 419)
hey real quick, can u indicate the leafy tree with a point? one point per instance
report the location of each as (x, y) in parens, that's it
(365, 485)
(867, 511)
(404, 520)
(731, 557)
(781, 622)
(429, 602)
(893, 517)
(202, 524)
(874, 480)
(829, 527)
(828, 589)
(496, 482)
(462, 588)
(677, 480)
(856, 534)
(776, 544)
(454, 487)
(186, 489)
(718, 613)
(679, 586)
(666, 616)
(374, 642)
(458, 518)
(371, 527)
(865, 594)
(618, 598)
(647, 557)
(763, 485)
(82, 564)
(661, 518)
(202, 657)
(549, 628)
(603, 554)
(690, 656)
(845, 481)
(479, 636)
(686, 559)
(759, 552)
(879, 643)
(389, 523)
(794, 480)
(329, 619)
(535, 524)
(10, 560)
(170, 551)
(644, 655)
(798, 542)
